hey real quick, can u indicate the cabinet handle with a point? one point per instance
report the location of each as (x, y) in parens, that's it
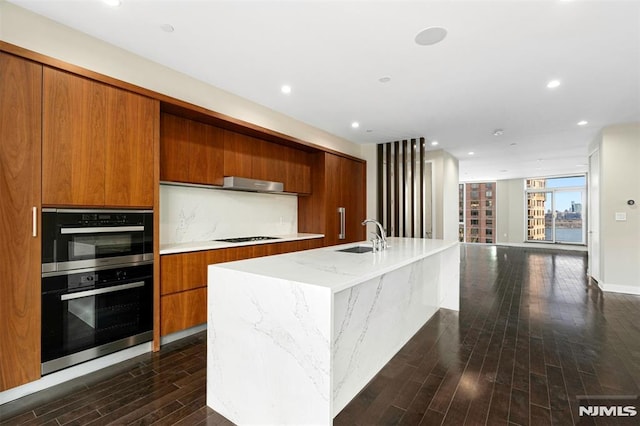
(342, 213)
(34, 221)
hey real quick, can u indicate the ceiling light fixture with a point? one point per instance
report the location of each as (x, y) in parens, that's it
(471, 153)
(498, 132)
(355, 124)
(582, 123)
(112, 3)
(553, 84)
(430, 36)
(167, 28)
(286, 89)
(384, 79)
(434, 143)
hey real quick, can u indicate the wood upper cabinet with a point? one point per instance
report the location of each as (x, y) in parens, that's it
(254, 158)
(97, 143)
(190, 151)
(20, 190)
(337, 182)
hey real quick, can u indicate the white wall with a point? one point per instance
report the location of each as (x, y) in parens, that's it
(619, 182)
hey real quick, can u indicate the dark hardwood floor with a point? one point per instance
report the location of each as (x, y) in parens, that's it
(531, 335)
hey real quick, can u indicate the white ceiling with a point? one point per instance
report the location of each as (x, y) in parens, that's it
(490, 71)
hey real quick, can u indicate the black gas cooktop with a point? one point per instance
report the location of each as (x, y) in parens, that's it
(246, 239)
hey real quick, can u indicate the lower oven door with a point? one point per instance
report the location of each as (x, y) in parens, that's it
(93, 313)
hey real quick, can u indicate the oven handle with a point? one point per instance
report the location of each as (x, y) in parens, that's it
(101, 291)
(97, 230)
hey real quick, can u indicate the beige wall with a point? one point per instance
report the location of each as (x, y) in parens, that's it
(34, 32)
(445, 197)
(510, 206)
(619, 182)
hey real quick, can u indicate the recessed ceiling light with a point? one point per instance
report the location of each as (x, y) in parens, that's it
(355, 124)
(553, 84)
(583, 123)
(513, 144)
(498, 132)
(431, 35)
(286, 89)
(434, 143)
(384, 79)
(504, 171)
(168, 28)
(471, 153)
(369, 130)
(112, 3)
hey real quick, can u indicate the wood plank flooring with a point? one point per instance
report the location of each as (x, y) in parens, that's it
(532, 334)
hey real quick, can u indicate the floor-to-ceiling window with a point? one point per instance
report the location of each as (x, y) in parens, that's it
(477, 212)
(555, 209)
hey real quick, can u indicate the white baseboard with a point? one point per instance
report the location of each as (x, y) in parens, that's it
(615, 288)
(73, 372)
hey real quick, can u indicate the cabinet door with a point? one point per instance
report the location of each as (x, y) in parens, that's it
(174, 148)
(238, 154)
(20, 163)
(206, 153)
(131, 128)
(334, 198)
(97, 143)
(296, 171)
(73, 143)
(190, 151)
(352, 174)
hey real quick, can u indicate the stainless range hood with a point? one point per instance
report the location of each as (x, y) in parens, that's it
(254, 185)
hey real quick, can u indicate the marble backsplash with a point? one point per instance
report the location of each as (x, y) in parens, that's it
(190, 214)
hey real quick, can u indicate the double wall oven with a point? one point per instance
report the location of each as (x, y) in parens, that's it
(97, 283)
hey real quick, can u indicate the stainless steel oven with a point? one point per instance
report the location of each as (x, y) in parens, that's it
(97, 283)
(74, 239)
(87, 314)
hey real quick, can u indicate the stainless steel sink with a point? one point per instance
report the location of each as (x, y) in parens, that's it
(357, 249)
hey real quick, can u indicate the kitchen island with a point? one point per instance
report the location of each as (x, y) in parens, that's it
(293, 338)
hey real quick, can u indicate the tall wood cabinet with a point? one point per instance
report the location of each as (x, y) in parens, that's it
(97, 144)
(338, 188)
(20, 161)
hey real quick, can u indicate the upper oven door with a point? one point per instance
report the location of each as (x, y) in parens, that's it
(87, 239)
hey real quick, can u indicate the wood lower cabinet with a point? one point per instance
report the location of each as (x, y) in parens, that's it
(20, 190)
(337, 182)
(183, 280)
(190, 151)
(97, 143)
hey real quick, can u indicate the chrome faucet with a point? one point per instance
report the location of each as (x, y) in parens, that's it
(382, 237)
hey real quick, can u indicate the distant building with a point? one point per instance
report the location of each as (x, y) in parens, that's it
(535, 210)
(477, 212)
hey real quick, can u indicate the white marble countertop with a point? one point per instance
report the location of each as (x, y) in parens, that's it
(336, 270)
(175, 248)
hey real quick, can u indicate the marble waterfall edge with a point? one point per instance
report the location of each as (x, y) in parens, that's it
(268, 350)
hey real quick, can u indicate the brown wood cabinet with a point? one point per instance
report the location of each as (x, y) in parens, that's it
(20, 190)
(254, 158)
(183, 279)
(190, 151)
(337, 182)
(97, 143)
